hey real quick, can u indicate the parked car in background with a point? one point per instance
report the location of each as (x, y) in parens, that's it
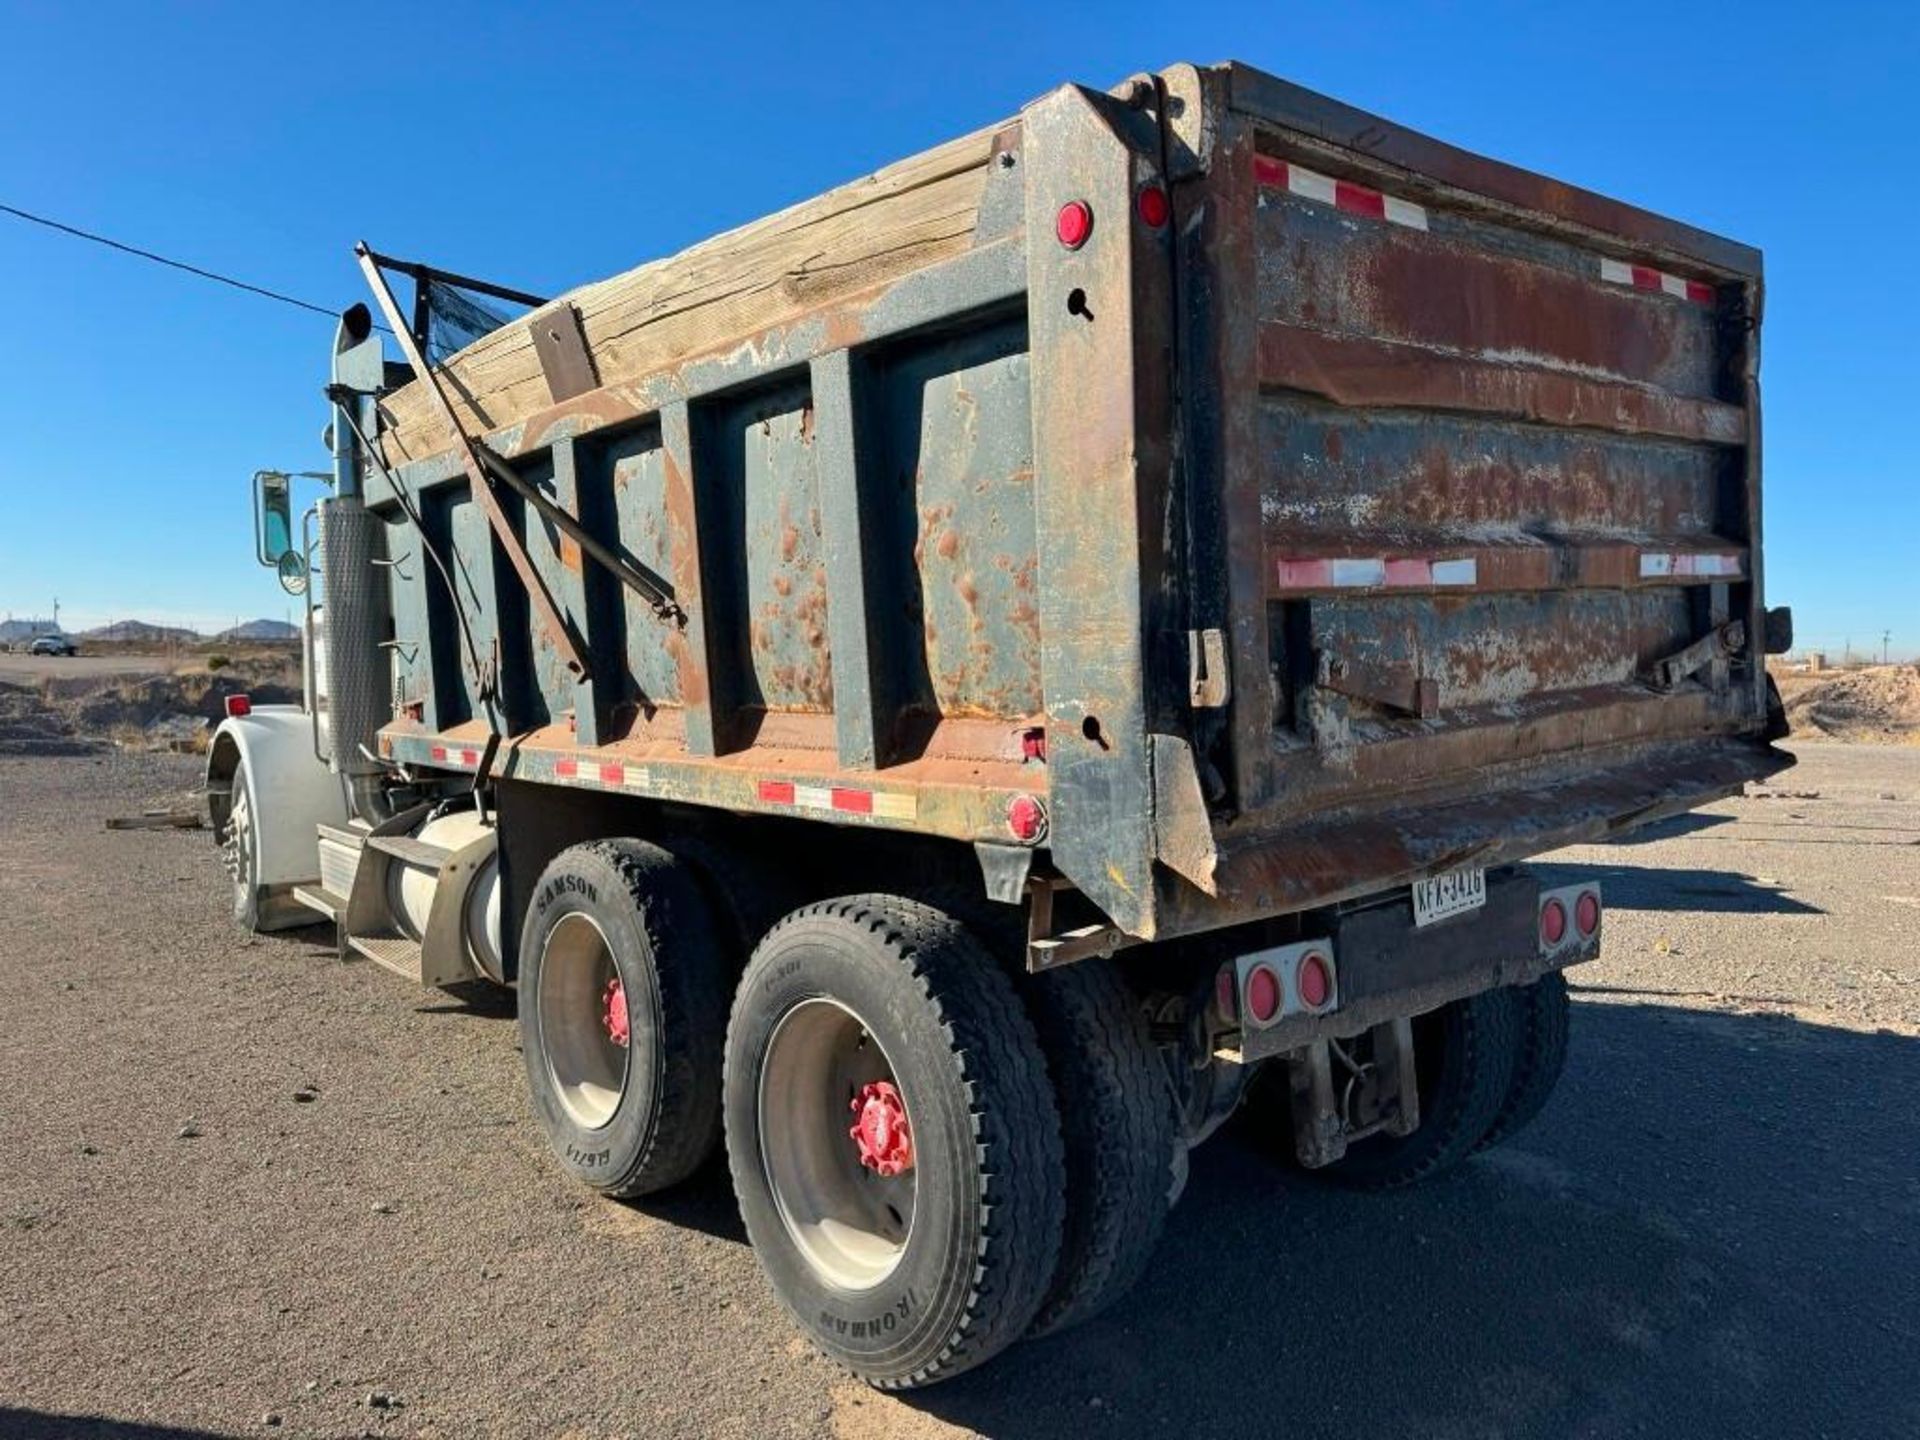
(53, 645)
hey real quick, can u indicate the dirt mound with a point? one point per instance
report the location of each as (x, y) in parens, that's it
(77, 715)
(1880, 704)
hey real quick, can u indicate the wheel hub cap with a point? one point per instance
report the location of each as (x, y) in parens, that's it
(614, 1013)
(880, 1131)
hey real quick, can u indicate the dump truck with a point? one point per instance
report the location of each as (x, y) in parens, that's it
(954, 689)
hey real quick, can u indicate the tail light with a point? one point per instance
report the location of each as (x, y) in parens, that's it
(1291, 980)
(238, 705)
(1569, 916)
(1553, 922)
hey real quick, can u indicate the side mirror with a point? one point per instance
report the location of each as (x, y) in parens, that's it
(273, 529)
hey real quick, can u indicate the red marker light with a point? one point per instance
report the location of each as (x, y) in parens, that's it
(1263, 994)
(1026, 817)
(1073, 224)
(1153, 206)
(1586, 913)
(1553, 922)
(1314, 981)
(238, 705)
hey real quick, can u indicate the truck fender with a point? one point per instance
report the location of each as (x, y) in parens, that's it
(290, 791)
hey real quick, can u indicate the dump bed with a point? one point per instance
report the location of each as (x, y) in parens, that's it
(1243, 501)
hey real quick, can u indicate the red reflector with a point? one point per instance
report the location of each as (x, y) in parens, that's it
(1553, 922)
(238, 705)
(1073, 224)
(1154, 207)
(1586, 913)
(1315, 981)
(1033, 745)
(1025, 817)
(1263, 994)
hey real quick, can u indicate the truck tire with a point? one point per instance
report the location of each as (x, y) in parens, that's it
(623, 1005)
(921, 1239)
(1543, 1013)
(1120, 1132)
(240, 850)
(1464, 1055)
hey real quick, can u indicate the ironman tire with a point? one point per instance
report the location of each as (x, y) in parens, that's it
(1464, 1056)
(631, 1118)
(1544, 1016)
(904, 989)
(1121, 1135)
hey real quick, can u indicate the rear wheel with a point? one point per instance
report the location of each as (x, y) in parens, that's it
(1120, 1131)
(1543, 1019)
(622, 1009)
(1464, 1055)
(893, 1139)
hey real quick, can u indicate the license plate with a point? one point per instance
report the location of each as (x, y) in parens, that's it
(1453, 893)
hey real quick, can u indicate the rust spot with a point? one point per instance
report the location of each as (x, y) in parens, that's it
(782, 585)
(948, 545)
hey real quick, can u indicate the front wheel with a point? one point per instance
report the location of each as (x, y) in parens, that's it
(894, 1140)
(239, 841)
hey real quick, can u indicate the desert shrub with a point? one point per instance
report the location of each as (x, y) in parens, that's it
(218, 662)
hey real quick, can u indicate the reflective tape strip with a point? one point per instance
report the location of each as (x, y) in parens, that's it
(1663, 565)
(1345, 195)
(1645, 277)
(1410, 572)
(889, 805)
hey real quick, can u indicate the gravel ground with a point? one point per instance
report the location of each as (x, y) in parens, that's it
(246, 1190)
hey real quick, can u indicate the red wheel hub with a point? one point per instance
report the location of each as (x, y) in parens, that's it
(614, 1013)
(880, 1129)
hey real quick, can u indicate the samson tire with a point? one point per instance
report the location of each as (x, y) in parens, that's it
(893, 1138)
(1464, 1056)
(623, 1004)
(1543, 1019)
(1121, 1134)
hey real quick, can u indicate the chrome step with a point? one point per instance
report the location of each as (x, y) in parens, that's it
(410, 851)
(318, 897)
(393, 952)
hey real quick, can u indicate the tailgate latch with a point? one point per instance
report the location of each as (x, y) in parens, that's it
(1728, 639)
(1395, 689)
(1208, 685)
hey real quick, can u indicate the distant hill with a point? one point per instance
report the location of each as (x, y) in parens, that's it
(139, 632)
(261, 630)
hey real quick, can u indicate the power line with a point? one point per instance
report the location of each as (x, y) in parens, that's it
(215, 276)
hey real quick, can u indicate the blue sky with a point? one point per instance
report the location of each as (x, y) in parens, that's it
(545, 151)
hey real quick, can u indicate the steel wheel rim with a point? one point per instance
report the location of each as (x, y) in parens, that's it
(236, 847)
(849, 1223)
(587, 1068)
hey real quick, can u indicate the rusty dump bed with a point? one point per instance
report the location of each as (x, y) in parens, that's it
(1245, 501)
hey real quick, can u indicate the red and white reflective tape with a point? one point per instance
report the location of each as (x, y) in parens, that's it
(612, 773)
(1341, 194)
(441, 755)
(1403, 572)
(1645, 277)
(890, 805)
(1663, 565)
